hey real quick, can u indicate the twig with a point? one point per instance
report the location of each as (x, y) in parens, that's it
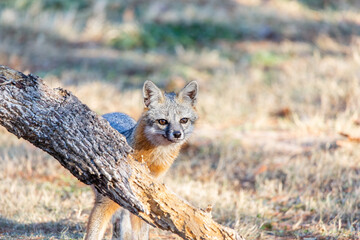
(350, 138)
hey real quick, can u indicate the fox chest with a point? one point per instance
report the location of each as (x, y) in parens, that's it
(157, 159)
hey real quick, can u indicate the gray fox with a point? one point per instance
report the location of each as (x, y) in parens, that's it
(165, 124)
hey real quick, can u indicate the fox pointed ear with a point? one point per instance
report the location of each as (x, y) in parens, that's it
(189, 93)
(152, 94)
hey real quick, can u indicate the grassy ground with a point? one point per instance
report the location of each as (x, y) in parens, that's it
(278, 81)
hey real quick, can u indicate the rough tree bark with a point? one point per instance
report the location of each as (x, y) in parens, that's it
(58, 123)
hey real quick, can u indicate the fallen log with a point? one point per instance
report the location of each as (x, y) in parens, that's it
(55, 121)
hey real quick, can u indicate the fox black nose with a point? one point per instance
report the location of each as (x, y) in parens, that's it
(177, 134)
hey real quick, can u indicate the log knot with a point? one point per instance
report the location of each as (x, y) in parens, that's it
(64, 93)
(7, 81)
(16, 78)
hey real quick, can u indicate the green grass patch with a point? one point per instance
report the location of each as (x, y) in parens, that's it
(170, 35)
(56, 5)
(328, 4)
(267, 59)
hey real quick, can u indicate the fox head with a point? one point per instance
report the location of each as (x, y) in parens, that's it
(169, 117)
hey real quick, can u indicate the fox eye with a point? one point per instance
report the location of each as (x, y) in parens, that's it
(184, 120)
(162, 121)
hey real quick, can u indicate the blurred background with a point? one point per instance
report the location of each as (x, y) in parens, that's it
(276, 148)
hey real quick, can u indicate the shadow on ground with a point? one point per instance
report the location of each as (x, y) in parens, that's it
(60, 229)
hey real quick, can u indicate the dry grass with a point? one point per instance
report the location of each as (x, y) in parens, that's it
(266, 154)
